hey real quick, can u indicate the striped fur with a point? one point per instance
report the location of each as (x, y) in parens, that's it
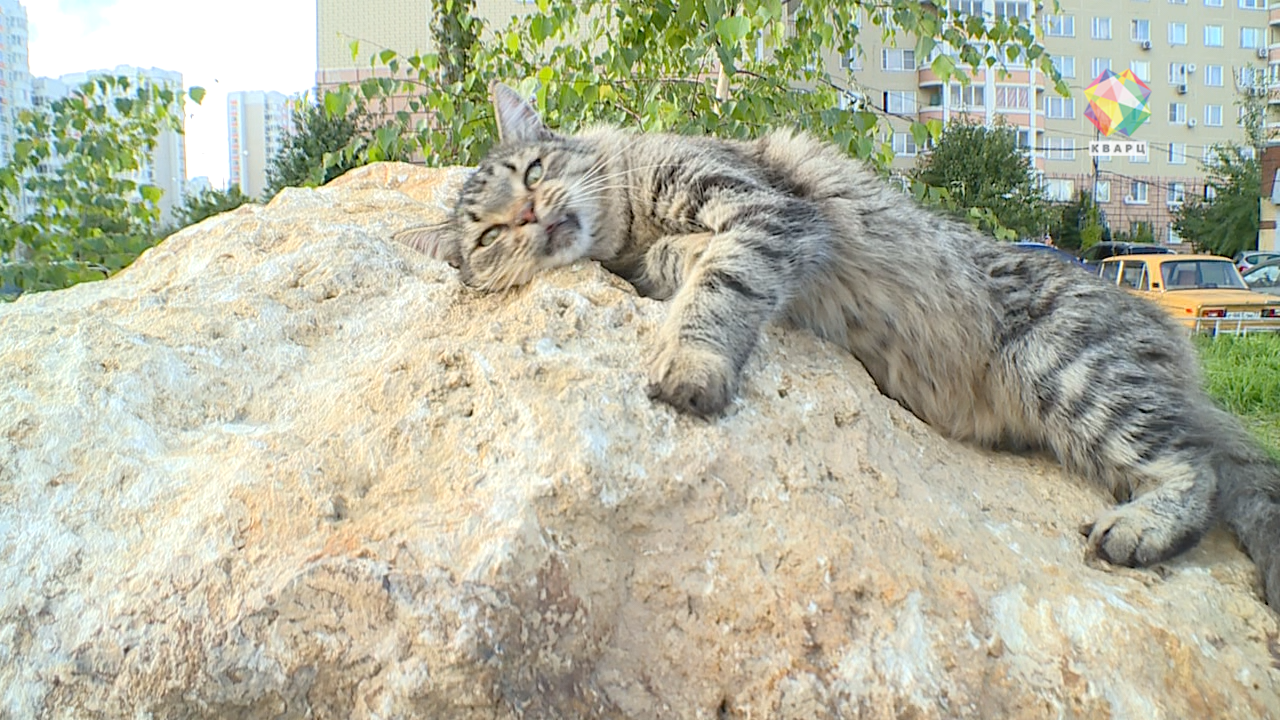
(986, 343)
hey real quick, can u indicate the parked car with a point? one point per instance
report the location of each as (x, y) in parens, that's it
(1203, 292)
(1249, 258)
(1264, 277)
(1056, 252)
(1103, 250)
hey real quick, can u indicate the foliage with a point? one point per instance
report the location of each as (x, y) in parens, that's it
(1228, 223)
(208, 203)
(309, 156)
(687, 66)
(1077, 221)
(71, 207)
(983, 167)
(457, 34)
(1243, 375)
(1139, 232)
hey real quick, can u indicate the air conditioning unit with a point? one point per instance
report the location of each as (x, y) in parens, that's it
(1145, 44)
(1262, 53)
(1182, 89)
(1192, 122)
(1191, 67)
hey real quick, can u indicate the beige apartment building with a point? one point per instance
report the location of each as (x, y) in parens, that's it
(1199, 57)
(400, 25)
(257, 125)
(1268, 237)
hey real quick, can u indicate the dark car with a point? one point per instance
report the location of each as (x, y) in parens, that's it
(1104, 250)
(1056, 252)
(1264, 277)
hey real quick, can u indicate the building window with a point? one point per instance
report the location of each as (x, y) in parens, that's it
(900, 102)
(1060, 149)
(1060, 25)
(1178, 113)
(1140, 30)
(1177, 33)
(899, 60)
(1177, 193)
(1137, 193)
(1250, 38)
(1059, 189)
(973, 96)
(1213, 3)
(1013, 9)
(1253, 4)
(1101, 28)
(1177, 2)
(966, 7)
(904, 144)
(1065, 65)
(1012, 97)
(1177, 74)
(1177, 153)
(1140, 159)
(1213, 115)
(1102, 191)
(1022, 138)
(1210, 193)
(1213, 36)
(1142, 69)
(1059, 108)
(1100, 64)
(1213, 75)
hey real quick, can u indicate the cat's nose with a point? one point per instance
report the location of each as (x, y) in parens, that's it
(526, 215)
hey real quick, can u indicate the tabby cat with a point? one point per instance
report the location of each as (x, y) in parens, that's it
(986, 343)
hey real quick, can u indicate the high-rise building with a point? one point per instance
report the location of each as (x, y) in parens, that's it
(1201, 59)
(166, 168)
(376, 25)
(257, 125)
(1268, 236)
(15, 73)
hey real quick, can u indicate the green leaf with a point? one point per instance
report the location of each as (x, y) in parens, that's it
(732, 30)
(197, 94)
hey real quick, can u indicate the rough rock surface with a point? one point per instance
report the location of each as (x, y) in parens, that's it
(283, 467)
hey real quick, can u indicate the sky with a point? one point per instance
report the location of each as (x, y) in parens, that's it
(223, 46)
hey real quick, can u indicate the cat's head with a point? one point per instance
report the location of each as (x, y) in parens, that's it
(532, 204)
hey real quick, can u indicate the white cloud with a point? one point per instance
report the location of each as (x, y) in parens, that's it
(223, 47)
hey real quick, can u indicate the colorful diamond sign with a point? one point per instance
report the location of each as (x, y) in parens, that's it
(1117, 103)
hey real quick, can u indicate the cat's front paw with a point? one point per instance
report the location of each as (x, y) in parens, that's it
(1134, 535)
(692, 380)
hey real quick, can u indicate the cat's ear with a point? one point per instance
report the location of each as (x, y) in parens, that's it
(518, 121)
(438, 241)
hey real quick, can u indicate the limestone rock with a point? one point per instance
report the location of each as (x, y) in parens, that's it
(283, 467)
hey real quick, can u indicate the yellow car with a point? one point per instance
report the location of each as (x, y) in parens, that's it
(1203, 292)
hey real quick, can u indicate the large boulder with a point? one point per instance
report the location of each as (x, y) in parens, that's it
(283, 467)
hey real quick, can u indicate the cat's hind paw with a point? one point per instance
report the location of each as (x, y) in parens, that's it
(692, 380)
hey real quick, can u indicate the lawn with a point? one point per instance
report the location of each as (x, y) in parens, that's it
(1243, 375)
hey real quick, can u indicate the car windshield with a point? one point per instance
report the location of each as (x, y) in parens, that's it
(1200, 275)
(1148, 250)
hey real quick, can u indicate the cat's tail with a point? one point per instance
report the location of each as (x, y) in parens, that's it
(1248, 501)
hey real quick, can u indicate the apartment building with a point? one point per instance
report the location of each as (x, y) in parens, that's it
(400, 25)
(1199, 57)
(257, 125)
(15, 73)
(1268, 236)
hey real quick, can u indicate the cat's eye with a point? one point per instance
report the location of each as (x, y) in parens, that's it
(490, 236)
(533, 174)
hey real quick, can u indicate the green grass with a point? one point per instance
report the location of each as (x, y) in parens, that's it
(1243, 375)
